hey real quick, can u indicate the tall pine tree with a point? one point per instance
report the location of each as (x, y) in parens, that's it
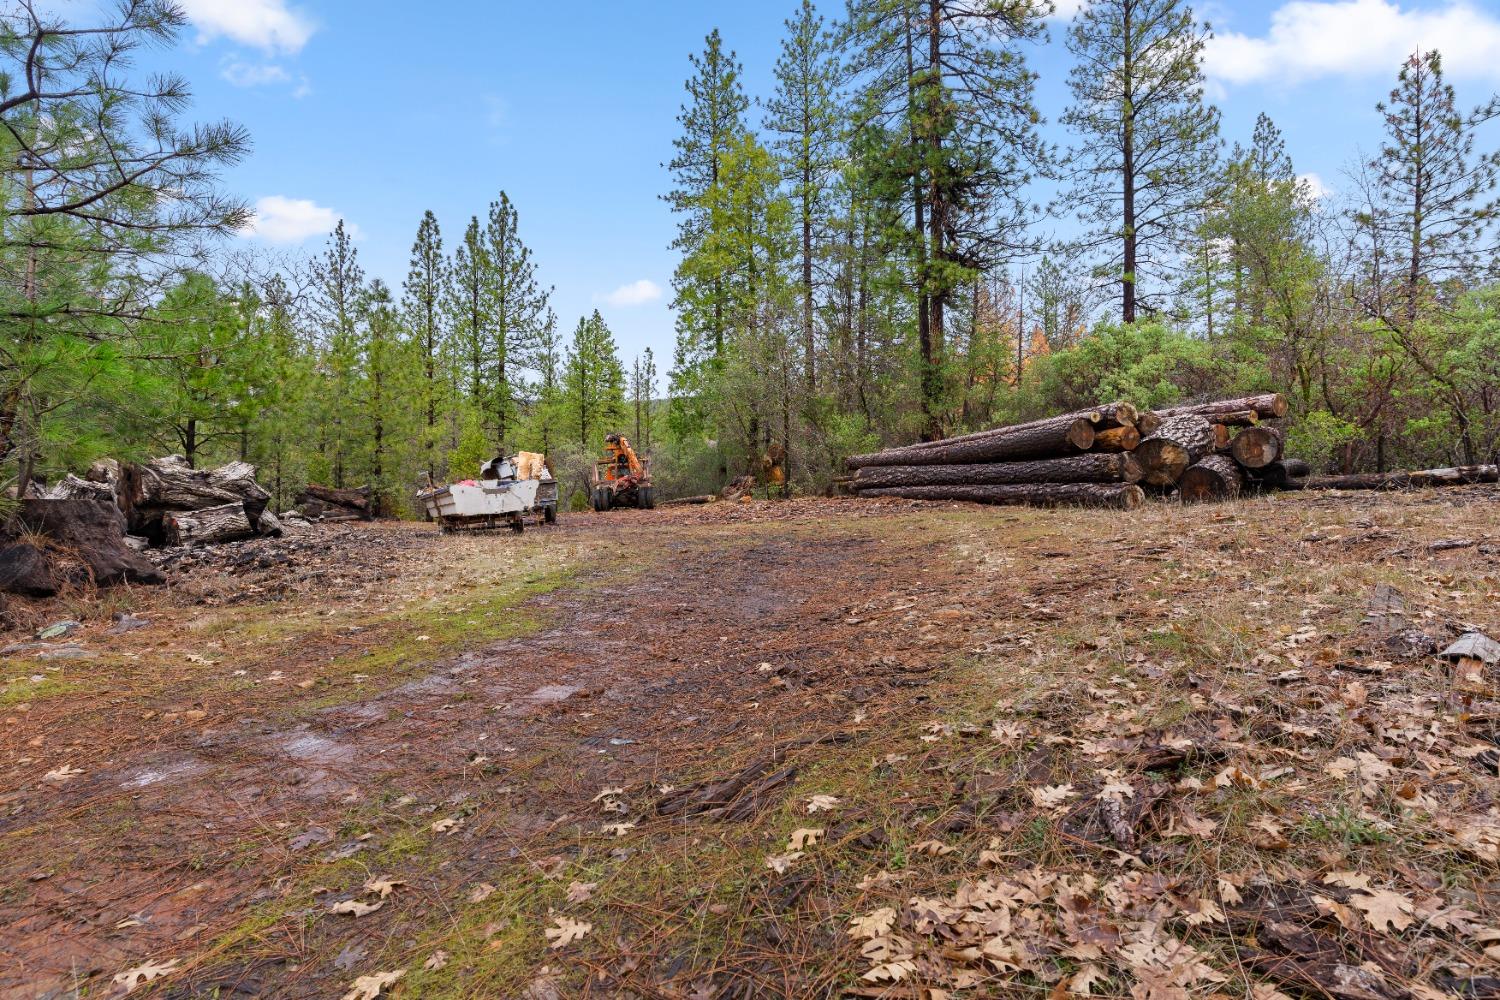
(421, 308)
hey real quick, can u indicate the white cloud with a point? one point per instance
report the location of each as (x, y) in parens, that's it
(1314, 186)
(279, 219)
(637, 293)
(1309, 39)
(243, 74)
(269, 25)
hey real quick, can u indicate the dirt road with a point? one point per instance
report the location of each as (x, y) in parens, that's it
(566, 764)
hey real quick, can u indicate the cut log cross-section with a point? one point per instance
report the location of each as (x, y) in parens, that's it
(1118, 496)
(1091, 468)
(1178, 443)
(1213, 477)
(1046, 439)
(1122, 438)
(1256, 447)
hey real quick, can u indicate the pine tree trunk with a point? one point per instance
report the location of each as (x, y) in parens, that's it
(1119, 496)
(1091, 468)
(1044, 439)
(1178, 443)
(1213, 477)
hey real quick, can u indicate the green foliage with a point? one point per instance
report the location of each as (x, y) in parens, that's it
(1149, 363)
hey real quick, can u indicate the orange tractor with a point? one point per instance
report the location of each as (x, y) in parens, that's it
(621, 477)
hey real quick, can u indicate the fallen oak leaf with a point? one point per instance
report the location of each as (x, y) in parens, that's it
(369, 987)
(446, 825)
(1086, 978)
(803, 838)
(481, 892)
(873, 924)
(1051, 796)
(822, 803)
(132, 978)
(932, 848)
(579, 892)
(618, 829)
(62, 773)
(779, 863)
(383, 886)
(1384, 908)
(356, 908)
(436, 961)
(566, 931)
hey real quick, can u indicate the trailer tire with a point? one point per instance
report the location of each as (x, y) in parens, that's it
(518, 525)
(549, 513)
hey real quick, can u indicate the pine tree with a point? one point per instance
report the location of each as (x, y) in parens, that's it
(1147, 139)
(548, 362)
(338, 283)
(468, 301)
(947, 85)
(712, 120)
(421, 301)
(593, 382)
(806, 118)
(383, 368)
(517, 304)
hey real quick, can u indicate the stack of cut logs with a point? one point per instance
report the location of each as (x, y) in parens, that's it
(1099, 457)
(166, 502)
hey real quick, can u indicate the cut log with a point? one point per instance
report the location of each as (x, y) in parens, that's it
(1223, 434)
(1213, 477)
(1256, 447)
(70, 487)
(1090, 468)
(1122, 438)
(1118, 496)
(1148, 423)
(684, 501)
(355, 501)
(1236, 418)
(94, 533)
(1118, 414)
(1178, 443)
(1267, 406)
(1283, 474)
(1463, 475)
(225, 523)
(148, 491)
(1059, 436)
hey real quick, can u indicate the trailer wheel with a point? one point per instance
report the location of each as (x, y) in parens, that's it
(517, 524)
(549, 513)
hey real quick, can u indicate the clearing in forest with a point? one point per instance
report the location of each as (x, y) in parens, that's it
(813, 748)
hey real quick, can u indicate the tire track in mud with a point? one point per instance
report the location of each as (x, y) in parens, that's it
(646, 681)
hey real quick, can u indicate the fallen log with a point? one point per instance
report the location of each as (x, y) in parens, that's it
(1284, 473)
(1223, 434)
(1122, 438)
(1257, 447)
(149, 490)
(682, 501)
(1179, 442)
(1118, 496)
(1212, 477)
(1267, 406)
(71, 487)
(94, 534)
(1463, 475)
(225, 523)
(351, 501)
(1090, 468)
(1044, 439)
(269, 525)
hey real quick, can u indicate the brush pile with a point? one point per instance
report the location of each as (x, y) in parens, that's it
(1107, 456)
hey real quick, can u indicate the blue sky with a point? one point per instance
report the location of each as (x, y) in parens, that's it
(375, 111)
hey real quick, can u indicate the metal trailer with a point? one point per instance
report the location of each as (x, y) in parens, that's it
(497, 499)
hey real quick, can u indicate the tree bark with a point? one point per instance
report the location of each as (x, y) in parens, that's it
(1093, 416)
(352, 501)
(1267, 406)
(1090, 468)
(70, 487)
(147, 491)
(225, 523)
(94, 533)
(1177, 444)
(1147, 422)
(1235, 418)
(1462, 475)
(1122, 438)
(1046, 439)
(1119, 496)
(1213, 477)
(1256, 447)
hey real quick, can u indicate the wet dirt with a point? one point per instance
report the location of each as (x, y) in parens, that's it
(169, 843)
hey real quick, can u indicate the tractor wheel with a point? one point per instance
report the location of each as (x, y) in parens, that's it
(644, 498)
(549, 513)
(601, 499)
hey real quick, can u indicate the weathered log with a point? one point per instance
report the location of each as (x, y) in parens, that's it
(685, 501)
(1256, 447)
(353, 500)
(70, 487)
(1090, 468)
(1119, 496)
(1178, 443)
(1045, 439)
(147, 491)
(1212, 477)
(225, 523)
(1285, 473)
(1463, 475)
(269, 526)
(1266, 406)
(94, 533)
(1235, 418)
(1122, 438)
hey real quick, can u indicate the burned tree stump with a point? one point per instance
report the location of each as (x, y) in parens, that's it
(1178, 443)
(1213, 477)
